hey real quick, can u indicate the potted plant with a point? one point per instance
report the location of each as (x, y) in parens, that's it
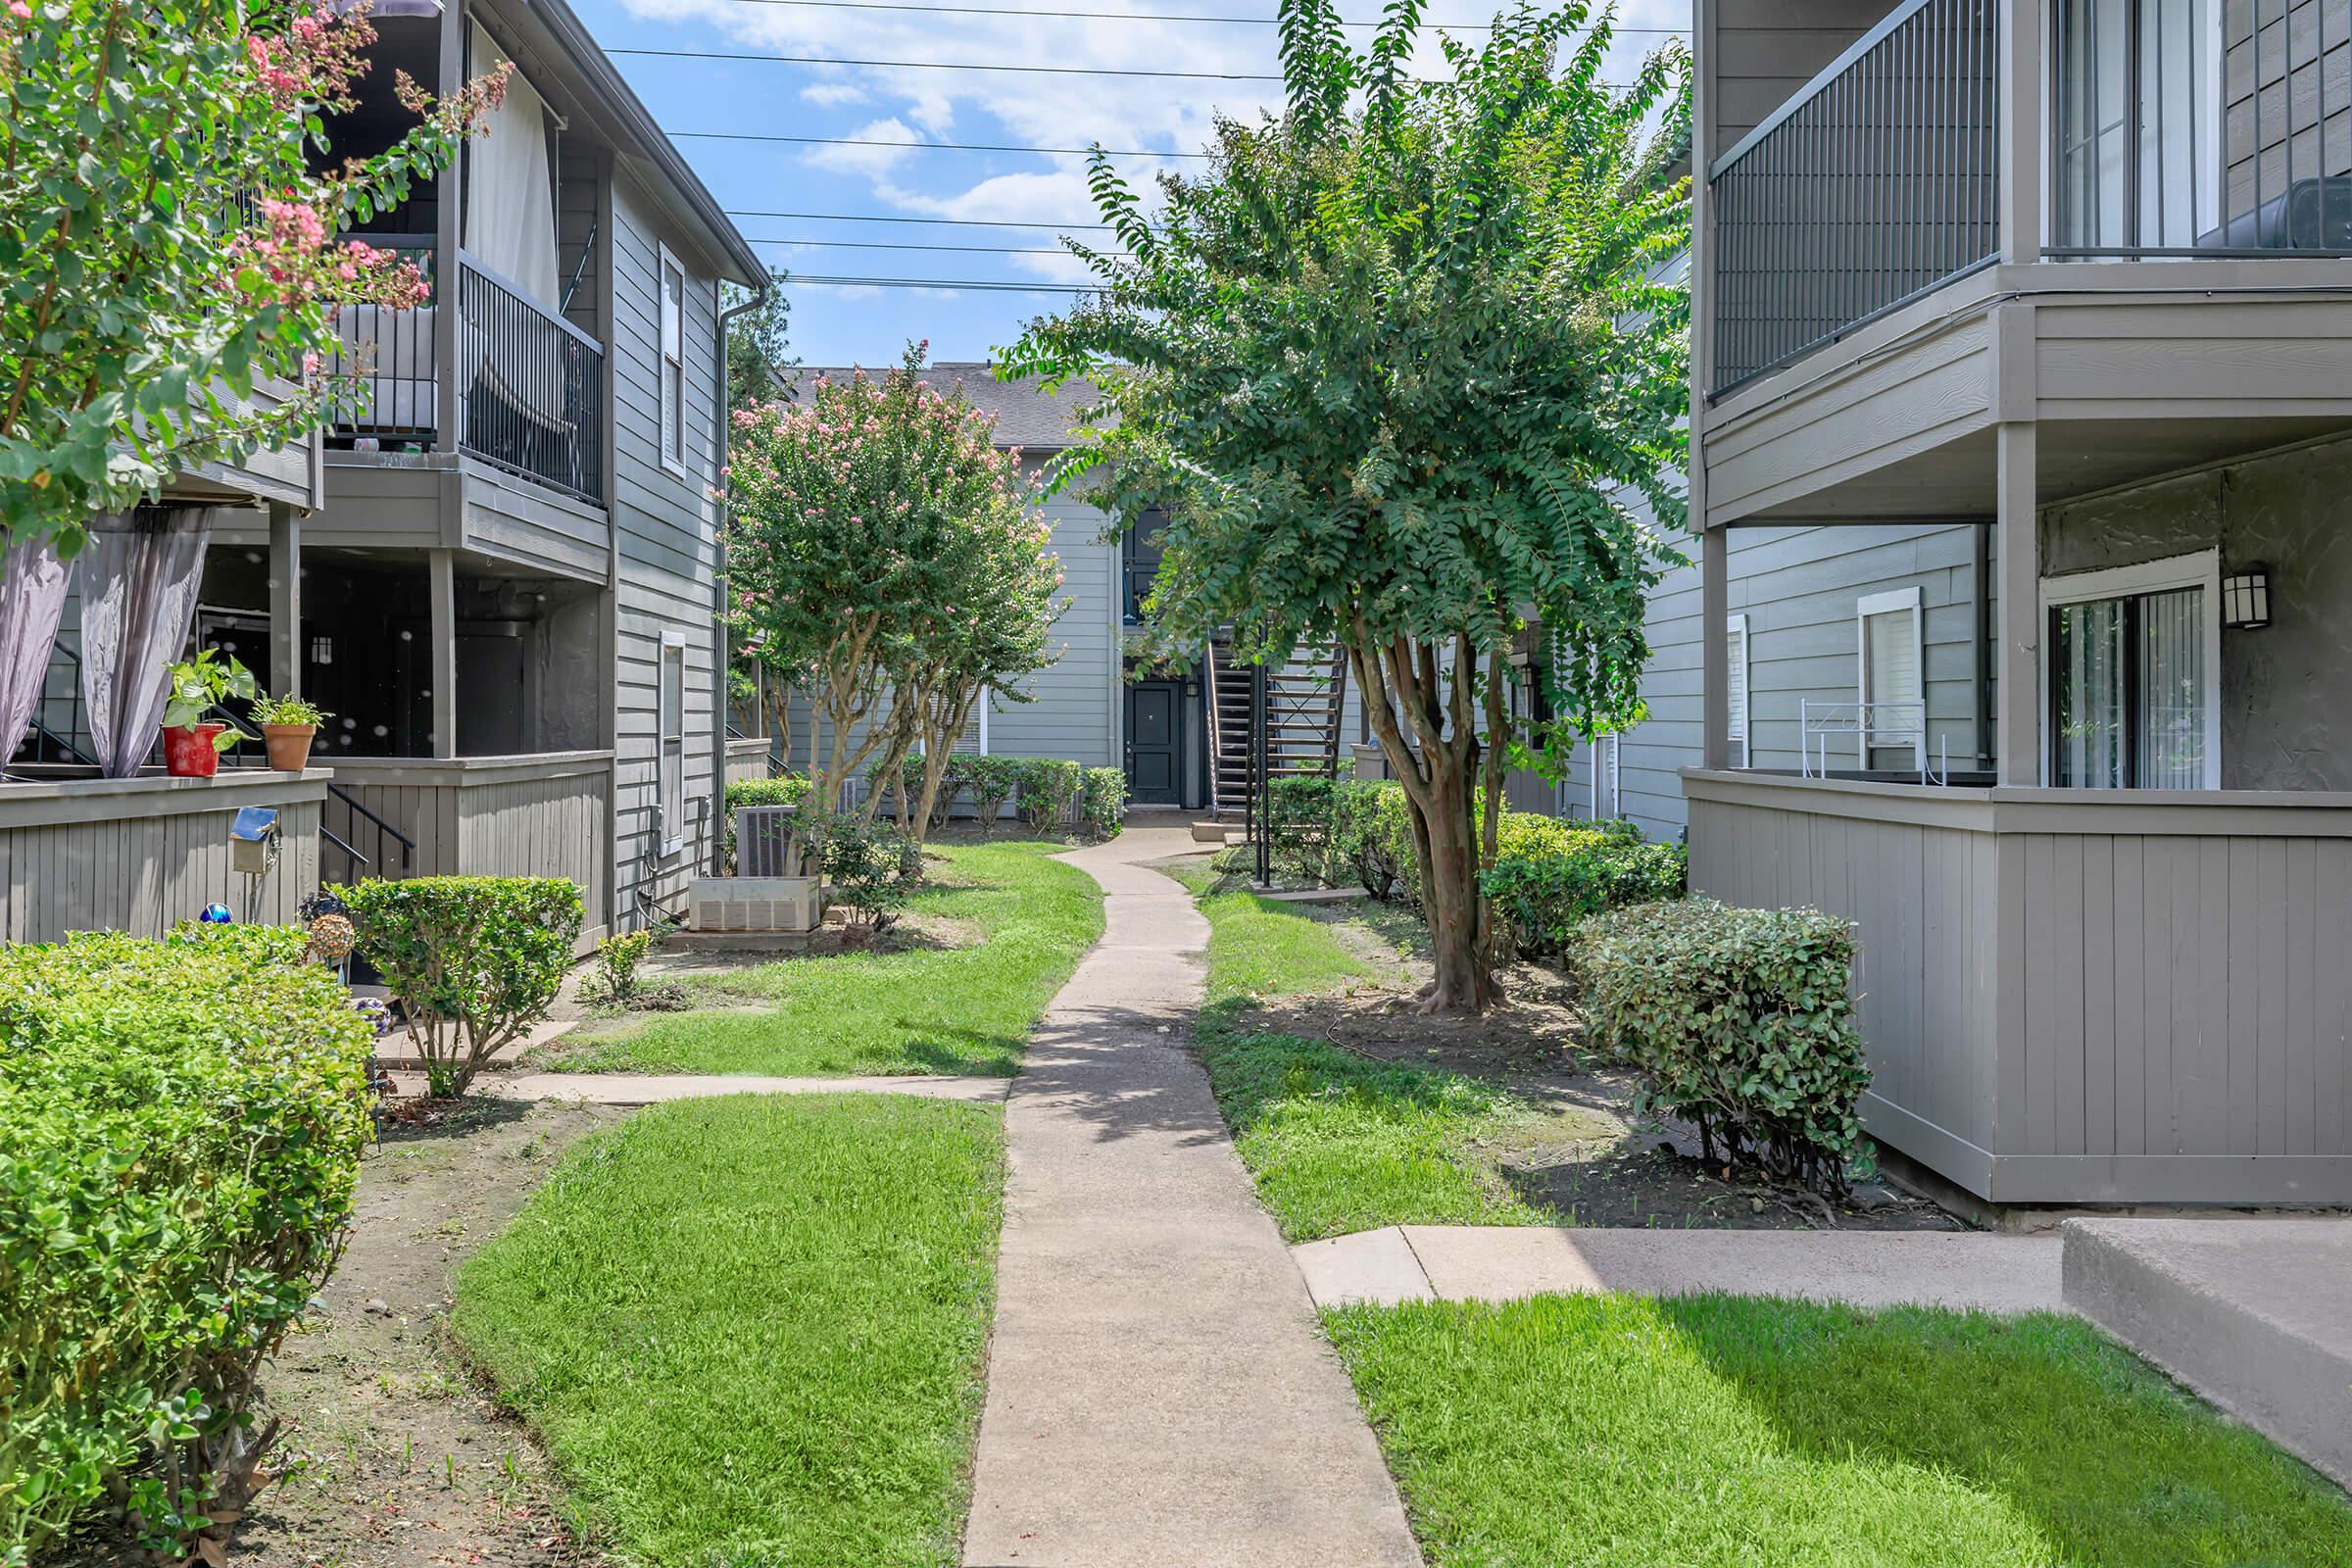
(287, 725)
(193, 740)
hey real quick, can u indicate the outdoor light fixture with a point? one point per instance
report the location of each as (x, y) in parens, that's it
(322, 650)
(2246, 597)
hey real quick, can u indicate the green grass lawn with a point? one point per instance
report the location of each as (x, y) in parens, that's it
(749, 1330)
(1337, 1143)
(1730, 1431)
(966, 1009)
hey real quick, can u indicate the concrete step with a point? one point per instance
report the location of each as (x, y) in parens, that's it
(2254, 1314)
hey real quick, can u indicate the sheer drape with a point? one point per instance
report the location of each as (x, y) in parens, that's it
(139, 579)
(33, 596)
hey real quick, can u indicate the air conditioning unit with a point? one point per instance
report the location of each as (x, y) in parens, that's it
(748, 905)
(766, 843)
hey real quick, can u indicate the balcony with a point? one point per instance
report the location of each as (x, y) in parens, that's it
(526, 387)
(2160, 129)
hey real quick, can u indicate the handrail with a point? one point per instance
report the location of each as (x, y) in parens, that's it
(474, 263)
(357, 859)
(352, 801)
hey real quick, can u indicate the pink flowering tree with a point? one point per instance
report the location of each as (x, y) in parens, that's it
(168, 238)
(884, 552)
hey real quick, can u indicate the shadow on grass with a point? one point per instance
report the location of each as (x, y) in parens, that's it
(2108, 1457)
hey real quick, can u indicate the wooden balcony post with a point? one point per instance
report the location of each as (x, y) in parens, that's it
(285, 601)
(449, 196)
(2025, 29)
(2018, 698)
(441, 569)
(1715, 657)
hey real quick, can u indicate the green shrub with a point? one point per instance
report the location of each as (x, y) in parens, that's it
(1542, 897)
(991, 781)
(1742, 1023)
(867, 868)
(784, 789)
(617, 959)
(473, 960)
(1103, 802)
(1301, 828)
(180, 1128)
(1047, 791)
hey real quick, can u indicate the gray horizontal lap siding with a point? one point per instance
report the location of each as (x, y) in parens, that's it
(665, 525)
(1799, 588)
(1075, 708)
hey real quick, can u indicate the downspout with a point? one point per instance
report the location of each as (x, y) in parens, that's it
(724, 426)
(1980, 567)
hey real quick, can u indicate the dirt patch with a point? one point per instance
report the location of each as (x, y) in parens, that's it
(1588, 1156)
(392, 1458)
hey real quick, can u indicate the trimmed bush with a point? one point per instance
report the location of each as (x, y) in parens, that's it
(1544, 896)
(180, 1128)
(1103, 802)
(867, 867)
(617, 959)
(1047, 791)
(991, 781)
(473, 959)
(1743, 1022)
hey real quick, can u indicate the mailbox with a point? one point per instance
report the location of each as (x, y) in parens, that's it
(253, 841)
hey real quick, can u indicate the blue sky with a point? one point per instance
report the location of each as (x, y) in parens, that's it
(910, 108)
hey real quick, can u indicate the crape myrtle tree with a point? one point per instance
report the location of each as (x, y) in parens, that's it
(1393, 368)
(167, 236)
(857, 517)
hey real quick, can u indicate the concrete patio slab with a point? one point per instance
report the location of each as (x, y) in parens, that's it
(2254, 1314)
(1992, 1273)
(1158, 1391)
(652, 1089)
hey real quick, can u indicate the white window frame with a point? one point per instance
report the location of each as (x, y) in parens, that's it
(670, 795)
(2199, 569)
(1615, 745)
(1894, 602)
(1744, 683)
(671, 403)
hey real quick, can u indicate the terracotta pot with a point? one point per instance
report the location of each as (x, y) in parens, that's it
(289, 746)
(188, 750)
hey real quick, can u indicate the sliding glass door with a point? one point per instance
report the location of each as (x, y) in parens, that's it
(2136, 105)
(2132, 691)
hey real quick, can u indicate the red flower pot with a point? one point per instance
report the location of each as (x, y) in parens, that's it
(188, 750)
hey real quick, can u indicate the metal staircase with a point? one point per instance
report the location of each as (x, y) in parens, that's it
(1304, 699)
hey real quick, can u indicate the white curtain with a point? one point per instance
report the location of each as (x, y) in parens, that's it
(139, 579)
(510, 196)
(32, 595)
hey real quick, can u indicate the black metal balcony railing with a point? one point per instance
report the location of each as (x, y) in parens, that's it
(532, 386)
(1872, 185)
(529, 385)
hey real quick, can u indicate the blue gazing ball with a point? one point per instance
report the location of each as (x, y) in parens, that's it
(216, 915)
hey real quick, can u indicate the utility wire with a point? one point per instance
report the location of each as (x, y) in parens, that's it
(911, 146)
(946, 282)
(1134, 16)
(970, 250)
(884, 217)
(963, 65)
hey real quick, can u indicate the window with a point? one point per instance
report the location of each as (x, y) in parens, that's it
(2130, 675)
(1894, 718)
(1735, 639)
(1602, 759)
(2139, 123)
(674, 362)
(670, 758)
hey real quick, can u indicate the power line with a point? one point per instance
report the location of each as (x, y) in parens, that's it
(965, 65)
(913, 146)
(1133, 16)
(970, 250)
(948, 283)
(884, 217)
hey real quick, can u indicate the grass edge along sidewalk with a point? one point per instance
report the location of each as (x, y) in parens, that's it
(965, 1010)
(752, 1328)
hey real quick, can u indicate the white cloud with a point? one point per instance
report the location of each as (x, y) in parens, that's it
(873, 162)
(832, 94)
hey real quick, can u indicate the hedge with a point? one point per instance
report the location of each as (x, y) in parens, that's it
(1046, 790)
(473, 959)
(1542, 897)
(1103, 802)
(1741, 1021)
(180, 1128)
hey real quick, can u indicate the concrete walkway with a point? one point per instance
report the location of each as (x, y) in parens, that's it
(1867, 1268)
(1158, 1391)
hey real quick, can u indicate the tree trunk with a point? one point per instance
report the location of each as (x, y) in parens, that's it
(943, 712)
(1436, 778)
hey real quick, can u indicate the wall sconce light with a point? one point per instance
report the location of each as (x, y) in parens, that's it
(2246, 597)
(322, 650)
